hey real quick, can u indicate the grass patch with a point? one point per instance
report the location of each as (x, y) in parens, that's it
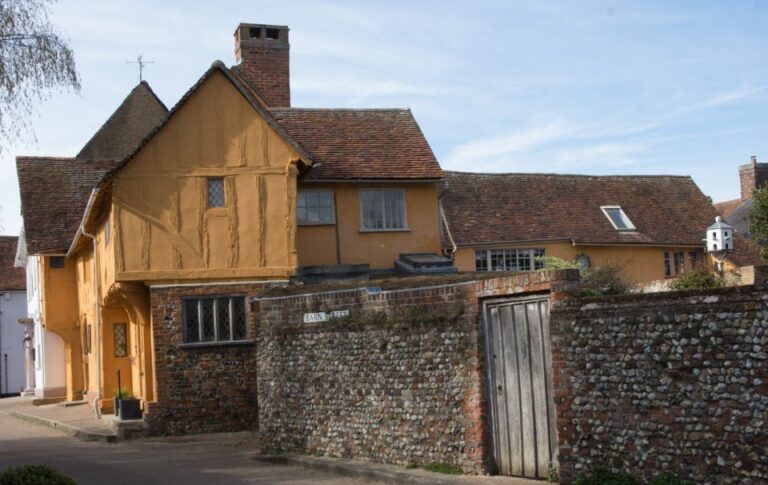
(443, 468)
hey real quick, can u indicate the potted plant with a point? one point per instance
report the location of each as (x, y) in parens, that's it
(127, 406)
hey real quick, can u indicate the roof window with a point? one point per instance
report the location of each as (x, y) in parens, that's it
(618, 218)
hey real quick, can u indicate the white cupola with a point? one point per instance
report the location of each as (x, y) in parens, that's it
(719, 237)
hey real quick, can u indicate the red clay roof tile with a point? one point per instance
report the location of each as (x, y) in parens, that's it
(487, 208)
(359, 144)
(11, 278)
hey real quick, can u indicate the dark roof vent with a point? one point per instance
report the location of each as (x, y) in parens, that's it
(424, 263)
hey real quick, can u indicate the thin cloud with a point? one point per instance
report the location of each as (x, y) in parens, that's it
(476, 151)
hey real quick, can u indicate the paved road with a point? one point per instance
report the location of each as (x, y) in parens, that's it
(197, 460)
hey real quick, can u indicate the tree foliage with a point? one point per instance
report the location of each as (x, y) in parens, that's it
(34, 61)
(758, 218)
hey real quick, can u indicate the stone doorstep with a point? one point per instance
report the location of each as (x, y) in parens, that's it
(70, 429)
(393, 474)
(129, 429)
(44, 401)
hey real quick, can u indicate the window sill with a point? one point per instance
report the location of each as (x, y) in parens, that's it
(204, 345)
(385, 230)
(315, 224)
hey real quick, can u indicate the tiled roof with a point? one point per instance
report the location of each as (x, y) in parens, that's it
(487, 208)
(354, 144)
(746, 251)
(141, 111)
(11, 278)
(726, 208)
(54, 193)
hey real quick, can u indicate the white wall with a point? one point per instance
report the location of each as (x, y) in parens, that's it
(50, 355)
(13, 305)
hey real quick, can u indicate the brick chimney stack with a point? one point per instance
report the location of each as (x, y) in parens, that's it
(752, 176)
(262, 52)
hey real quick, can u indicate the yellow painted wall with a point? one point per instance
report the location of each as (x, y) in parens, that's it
(60, 311)
(316, 245)
(642, 264)
(163, 227)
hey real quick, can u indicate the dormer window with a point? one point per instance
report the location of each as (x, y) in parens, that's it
(618, 218)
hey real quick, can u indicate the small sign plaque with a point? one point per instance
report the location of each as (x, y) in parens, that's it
(318, 317)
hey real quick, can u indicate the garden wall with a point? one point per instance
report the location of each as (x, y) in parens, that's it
(672, 382)
(399, 379)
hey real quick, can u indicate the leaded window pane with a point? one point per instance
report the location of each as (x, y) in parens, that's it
(239, 319)
(191, 322)
(206, 316)
(121, 340)
(222, 319)
(216, 192)
(215, 319)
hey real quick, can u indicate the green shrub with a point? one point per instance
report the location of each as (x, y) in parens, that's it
(702, 277)
(669, 479)
(123, 393)
(443, 468)
(595, 281)
(34, 475)
(604, 477)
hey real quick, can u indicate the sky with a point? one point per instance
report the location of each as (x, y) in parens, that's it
(591, 87)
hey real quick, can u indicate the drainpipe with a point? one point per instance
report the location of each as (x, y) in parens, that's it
(447, 229)
(96, 304)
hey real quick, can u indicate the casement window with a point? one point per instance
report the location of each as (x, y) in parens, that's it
(57, 262)
(383, 210)
(618, 218)
(694, 258)
(120, 331)
(315, 207)
(215, 319)
(107, 230)
(509, 260)
(674, 263)
(216, 196)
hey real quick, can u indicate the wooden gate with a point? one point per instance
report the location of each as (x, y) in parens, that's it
(523, 438)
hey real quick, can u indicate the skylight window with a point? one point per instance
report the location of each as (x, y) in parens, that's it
(618, 218)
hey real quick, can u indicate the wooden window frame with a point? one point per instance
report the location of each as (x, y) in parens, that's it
(400, 190)
(305, 192)
(508, 256)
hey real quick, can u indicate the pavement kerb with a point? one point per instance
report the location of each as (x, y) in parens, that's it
(381, 473)
(66, 428)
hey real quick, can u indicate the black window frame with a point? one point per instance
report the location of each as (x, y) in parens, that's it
(233, 300)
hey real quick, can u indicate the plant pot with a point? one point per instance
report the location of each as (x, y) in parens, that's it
(129, 408)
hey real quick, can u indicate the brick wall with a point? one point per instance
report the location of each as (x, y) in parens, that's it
(665, 382)
(400, 380)
(752, 176)
(200, 389)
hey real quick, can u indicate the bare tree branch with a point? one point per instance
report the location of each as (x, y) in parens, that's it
(34, 62)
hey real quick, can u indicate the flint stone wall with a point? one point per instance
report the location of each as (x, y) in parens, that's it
(400, 380)
(673, 382)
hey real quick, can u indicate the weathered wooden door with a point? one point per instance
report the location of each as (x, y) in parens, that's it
(520, 386)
